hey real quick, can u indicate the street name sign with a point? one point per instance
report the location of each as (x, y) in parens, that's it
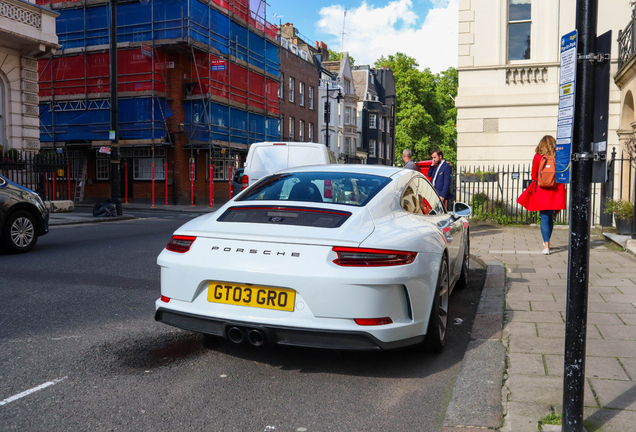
(567, 92)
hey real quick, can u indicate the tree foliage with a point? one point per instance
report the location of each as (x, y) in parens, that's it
(425, 110)
(337, 56)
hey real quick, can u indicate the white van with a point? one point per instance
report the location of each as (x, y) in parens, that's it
(266, 158)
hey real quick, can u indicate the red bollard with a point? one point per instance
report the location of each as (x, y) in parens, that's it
(211, 182)
(191, 182)
(231, 189)
(46, 185)
(126, 181)
(153, 185)
(68, 178)
(53, 181)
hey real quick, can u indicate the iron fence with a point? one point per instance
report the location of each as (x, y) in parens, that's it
(492, 191)
(46, 173)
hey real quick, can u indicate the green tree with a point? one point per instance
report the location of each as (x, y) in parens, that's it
(425, 108)
(337, 56)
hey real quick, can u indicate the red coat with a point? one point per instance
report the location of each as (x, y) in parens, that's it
(536, 198)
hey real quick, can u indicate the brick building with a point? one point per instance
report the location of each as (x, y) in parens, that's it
(376, 113)
(197, 83)
(300, 78)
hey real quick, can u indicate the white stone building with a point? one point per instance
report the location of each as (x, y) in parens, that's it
(343, 135)
(27, 32)
(508, 68)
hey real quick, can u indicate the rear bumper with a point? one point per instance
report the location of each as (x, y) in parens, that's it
(280, 335)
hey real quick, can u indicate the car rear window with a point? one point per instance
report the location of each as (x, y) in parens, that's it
(352, 189)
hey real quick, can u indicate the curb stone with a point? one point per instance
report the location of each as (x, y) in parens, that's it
(78, 221)
(476, 402)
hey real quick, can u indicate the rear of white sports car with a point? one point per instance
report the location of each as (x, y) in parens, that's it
(302, 273)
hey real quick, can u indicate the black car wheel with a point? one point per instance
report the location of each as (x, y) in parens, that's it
(438, 322)
(463, 278)
(20, 233)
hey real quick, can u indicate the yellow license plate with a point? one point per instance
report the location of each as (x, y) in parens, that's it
(252, 296)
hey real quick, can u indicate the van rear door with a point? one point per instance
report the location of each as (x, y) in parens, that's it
(266, 160)
(306, 155)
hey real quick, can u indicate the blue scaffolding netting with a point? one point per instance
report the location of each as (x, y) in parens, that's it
(212, 121)
(167, 20)
(92, 123)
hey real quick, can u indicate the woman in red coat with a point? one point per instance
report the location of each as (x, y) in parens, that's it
(544, 200)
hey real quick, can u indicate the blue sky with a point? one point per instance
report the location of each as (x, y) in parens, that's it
(424, 29)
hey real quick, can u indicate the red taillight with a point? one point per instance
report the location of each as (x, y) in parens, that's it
(280, 143)
(373, 321)
(180, 244)
(245, 182)
(358, 257)
(328, 190)
(165, 299)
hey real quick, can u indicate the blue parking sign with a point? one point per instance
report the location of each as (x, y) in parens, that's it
(565, 122)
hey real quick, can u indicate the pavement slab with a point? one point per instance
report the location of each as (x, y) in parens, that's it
(615, 394)
(595, 367)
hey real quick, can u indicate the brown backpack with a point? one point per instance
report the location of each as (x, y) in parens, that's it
(547, 172)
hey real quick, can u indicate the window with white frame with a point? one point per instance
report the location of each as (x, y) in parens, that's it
(347, 147)
(284, 43)
(380, 150)
(301, 130)
(102, 165)
(292, 132)
(347, 86)
(347, 115)
(281, 87)
(388, 150)
(340, 109)
(311, 132)
(311, 97)
(304, 55)
(372, 148)
(519, 29)
(221, 164)
(355, 117)
(301, 94)
(372, 121)
(142, 164)
(292, 84)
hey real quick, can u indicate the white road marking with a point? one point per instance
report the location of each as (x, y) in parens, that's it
(33, 390)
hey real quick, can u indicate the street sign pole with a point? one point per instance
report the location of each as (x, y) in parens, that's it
(115, 161)
(580, 219)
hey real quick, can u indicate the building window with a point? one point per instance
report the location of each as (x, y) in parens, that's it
(372, 123)
(311, 132)
(142, 164)
(388, 150)
(372, 148)
(347, 86)
(381, 123)
(301, 94)
(311, 98)
(281, 88)
(380, 150)
(292, 83)
(347, 115)
(301, 130)
(102, 164)
(347, 148)
(355, 117)
(328, 118)
(221, 163)
(340, 115)
(519, 29)
(292, 133)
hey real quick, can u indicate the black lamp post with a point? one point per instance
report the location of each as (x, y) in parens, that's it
(115, 160)
(339, 97)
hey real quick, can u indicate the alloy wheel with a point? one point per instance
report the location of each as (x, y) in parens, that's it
(22, 232)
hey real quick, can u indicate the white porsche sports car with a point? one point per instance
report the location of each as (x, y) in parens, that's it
(339, 256)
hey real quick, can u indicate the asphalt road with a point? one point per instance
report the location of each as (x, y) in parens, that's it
(77, 332)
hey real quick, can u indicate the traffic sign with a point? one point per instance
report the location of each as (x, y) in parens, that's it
(567, 93)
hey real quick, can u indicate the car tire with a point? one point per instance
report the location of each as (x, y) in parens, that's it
(20, 232)
(438, 322)
(463, 278)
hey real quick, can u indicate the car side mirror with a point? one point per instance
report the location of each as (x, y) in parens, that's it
(461, 209)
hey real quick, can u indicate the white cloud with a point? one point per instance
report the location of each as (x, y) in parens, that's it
(375, 31)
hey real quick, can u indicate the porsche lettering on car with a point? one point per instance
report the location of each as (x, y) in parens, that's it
(340, 256)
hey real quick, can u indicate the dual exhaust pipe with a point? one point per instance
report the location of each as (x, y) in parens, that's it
(254, 336)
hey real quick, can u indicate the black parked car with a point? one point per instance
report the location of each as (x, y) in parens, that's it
(23, 217)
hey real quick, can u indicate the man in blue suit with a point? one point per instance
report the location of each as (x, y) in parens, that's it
(440, 174)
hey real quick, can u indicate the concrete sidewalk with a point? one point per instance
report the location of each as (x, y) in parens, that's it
(534, 328)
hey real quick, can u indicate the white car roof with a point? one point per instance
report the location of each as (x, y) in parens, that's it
(380, 170)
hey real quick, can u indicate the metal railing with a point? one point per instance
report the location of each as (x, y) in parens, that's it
(626, 41)
(492, 191)
(45, 173)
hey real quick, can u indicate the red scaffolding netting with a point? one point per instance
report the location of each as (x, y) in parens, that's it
(90, 73)
(214, 76)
